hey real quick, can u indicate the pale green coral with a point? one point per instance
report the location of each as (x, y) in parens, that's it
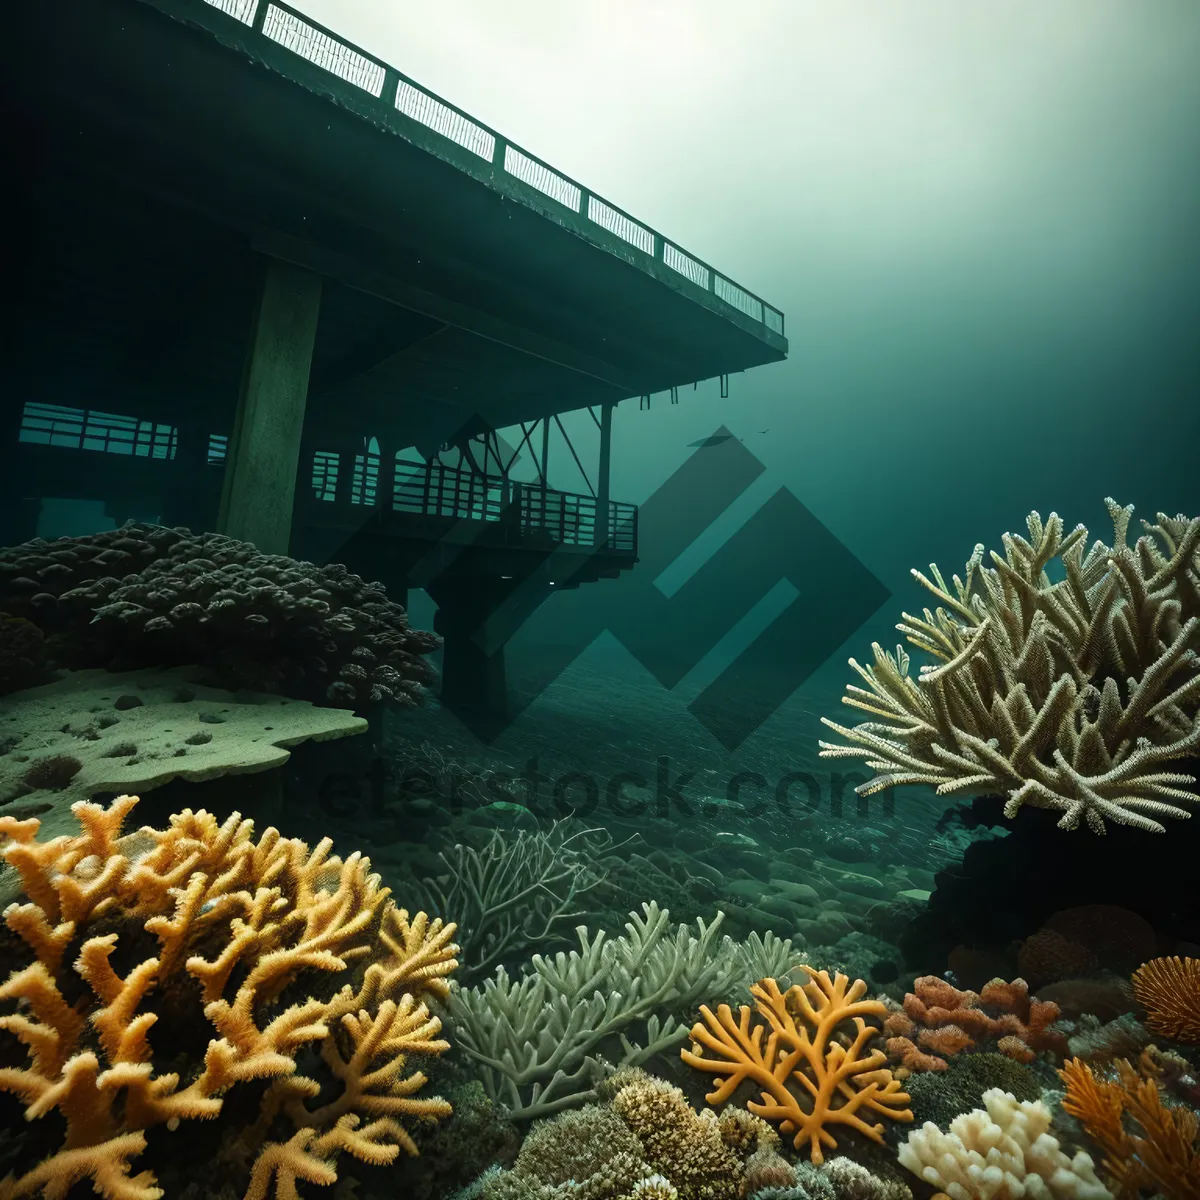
(538, 1040)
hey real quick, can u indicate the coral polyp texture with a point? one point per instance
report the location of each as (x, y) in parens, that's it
(145, 595)
(1169, 990)
(1002, 1151)
(1064, 679)
(645, 1143)
(1149, 1146)
(808, 1077)
(939, 1021)
(268, 994)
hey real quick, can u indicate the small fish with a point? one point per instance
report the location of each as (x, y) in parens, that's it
(715, 440)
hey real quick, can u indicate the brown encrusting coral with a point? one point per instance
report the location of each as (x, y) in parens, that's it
(149, 596)
(197, 973)
(1064, 680)
(832, 1083)
(939, 1020)
(1147, 1145)
(1169, 990)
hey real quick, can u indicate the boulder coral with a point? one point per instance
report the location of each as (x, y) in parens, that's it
(146, 595)
(644, 1142)
(200, 974)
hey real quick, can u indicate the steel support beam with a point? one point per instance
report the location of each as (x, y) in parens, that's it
(603, 474)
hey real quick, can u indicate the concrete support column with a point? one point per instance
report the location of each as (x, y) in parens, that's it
(264, 447)
(604, 474)
(474, 681)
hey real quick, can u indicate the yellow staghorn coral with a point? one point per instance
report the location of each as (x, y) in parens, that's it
(1169, 990)
(1071, 694)
(267, 950)
(836, 1081)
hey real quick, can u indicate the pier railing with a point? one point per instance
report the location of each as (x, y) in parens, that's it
(489, 156)
(567, 518)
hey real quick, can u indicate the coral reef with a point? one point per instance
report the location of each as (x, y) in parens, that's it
(537, 1040)
(1146, 1144)
(150, 596)
(478, 1134)
(941, 1095)
(948, 1020)
(1106, 998)
(1094, 1040)
(516, 894)
(836, 1082)
(645, 1142)
(1073, 694)
(36, 575)
(92, 732)
(196, 974)
(1169, 990)
(1000, 1152)
(22, 654)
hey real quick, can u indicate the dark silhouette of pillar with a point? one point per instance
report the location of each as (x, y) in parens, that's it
(474, 679)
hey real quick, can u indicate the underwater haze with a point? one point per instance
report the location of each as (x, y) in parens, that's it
(980, 226)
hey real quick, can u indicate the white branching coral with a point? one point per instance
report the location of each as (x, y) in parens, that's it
(1065, 679)
(1002, 1151)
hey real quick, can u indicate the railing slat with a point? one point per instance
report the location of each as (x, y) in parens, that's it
(283, 25)
(432, 489)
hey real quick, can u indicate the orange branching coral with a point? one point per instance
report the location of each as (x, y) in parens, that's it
(1146, 1144)
(281, 949)
(1169, 990)
(939, 1020)
(837, 1082)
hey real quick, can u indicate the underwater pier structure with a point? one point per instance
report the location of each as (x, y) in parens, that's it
(264, 282)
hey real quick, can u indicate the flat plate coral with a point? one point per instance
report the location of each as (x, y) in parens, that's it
(93, 732)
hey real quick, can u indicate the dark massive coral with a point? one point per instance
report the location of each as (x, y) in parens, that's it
(22, 654)
(144, 595)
